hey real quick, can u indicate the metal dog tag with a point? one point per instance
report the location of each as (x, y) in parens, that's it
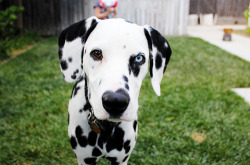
(94, 126)
(92, 122)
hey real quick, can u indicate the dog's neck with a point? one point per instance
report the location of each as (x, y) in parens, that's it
(96, 125)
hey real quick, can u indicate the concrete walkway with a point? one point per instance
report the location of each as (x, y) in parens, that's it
(239, 46)
(243, 92)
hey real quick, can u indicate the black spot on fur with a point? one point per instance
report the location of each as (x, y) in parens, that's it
(127, 146)
(92, 27)
(92, 138)
(116, 141)
(124, 47)
(125, 78)
(76, 71)
(124, 160)
(87, 106)
(96, 152)
(82, 58)
(151, 65)
(158, 61)
(82, 140)
(93, 22)
(73, 142)
(75, 30)
(106, 130)
(148, 39)
(76, 88)
(135, 125)
(60, 54)
(61, 39)
(64, 64)
(135, 66)
(112, 159)
(160, 43)
(100, 82)
(74, 74)
(126, 86)
(81, 78)
(90, 160)
(70, 59)
(129, 70)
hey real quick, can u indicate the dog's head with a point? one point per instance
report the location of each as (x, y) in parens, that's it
(114, 55)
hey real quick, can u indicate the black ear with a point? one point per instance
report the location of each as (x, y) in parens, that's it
(160, 53)
(70, 46)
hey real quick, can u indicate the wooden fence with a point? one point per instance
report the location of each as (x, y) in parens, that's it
(227, 11)
(49, 17)
(231, 11)
(167, 16)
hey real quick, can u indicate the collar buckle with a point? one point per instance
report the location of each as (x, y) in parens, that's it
(92, 120)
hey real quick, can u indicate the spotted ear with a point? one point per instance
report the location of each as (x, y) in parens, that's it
(71, 45)
(159, 53)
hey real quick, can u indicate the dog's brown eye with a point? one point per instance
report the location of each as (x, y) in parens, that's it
(97, 54)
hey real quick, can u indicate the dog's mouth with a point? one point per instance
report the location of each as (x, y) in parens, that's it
(114, 120)
(105, 116)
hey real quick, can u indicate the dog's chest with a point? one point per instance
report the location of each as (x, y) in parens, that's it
(116, 140)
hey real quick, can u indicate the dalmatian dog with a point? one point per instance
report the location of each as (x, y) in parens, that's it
(108, 59)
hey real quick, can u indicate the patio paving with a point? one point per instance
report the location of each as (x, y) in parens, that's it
(239, 46)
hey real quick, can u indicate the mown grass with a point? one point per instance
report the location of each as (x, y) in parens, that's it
(10, 46)
(196, 99)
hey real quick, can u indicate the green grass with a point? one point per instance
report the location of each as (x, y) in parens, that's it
(18, 42)
(196, 97)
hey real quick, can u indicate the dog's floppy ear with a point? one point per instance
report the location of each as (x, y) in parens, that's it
(71, 45)
(159, 53)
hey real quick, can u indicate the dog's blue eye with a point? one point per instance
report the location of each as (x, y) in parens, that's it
(138, 58)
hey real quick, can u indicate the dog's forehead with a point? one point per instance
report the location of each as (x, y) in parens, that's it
(117, 32)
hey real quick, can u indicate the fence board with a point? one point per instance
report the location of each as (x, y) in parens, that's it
(49, 17)
(228, 11)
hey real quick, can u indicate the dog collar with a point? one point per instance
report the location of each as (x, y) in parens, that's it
(93, 122)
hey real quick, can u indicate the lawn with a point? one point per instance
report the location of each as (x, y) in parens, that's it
(197, 120)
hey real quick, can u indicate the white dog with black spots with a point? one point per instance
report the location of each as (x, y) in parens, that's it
(108, 59)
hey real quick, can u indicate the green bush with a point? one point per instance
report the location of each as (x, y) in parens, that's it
(7, 27)
(246, 14)
(7, 21)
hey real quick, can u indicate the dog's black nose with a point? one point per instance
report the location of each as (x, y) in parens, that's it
(115, 103)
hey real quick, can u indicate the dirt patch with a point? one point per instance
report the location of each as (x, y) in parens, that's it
(17, 52)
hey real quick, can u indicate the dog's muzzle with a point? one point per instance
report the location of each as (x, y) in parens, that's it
(115, 103)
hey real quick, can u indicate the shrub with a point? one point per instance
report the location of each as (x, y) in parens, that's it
(7, 21)
(7, 27)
